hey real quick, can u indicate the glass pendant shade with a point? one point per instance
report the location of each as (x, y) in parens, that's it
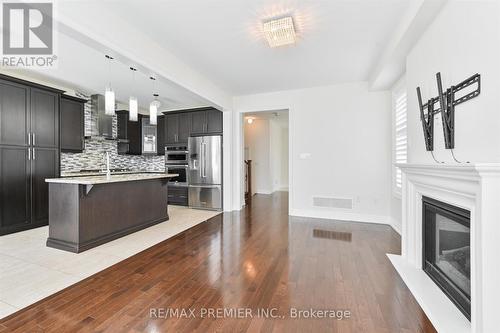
(153, 112)
(132, 108)
(109, 101)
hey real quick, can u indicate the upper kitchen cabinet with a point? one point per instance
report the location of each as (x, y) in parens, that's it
(177, 127)
(161, 135)
(14, 113)
(206, 121)
(72, 124)
(44, 118)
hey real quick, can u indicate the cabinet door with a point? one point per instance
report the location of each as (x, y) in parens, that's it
(14, 114)
(122, 119)
(134, 134)
(160, 133)
(14, 189)
(184, 127)
(171, 128)
(44, 164)
(72, 126)
(214, 121)
(45, 118)
(198, 122)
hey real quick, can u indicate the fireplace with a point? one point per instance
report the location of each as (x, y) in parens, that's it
(446, 250)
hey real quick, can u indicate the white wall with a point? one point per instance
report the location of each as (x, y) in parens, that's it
(346, 130)
(279, 153)
(463, 40)
(257, 140)
(284, 159)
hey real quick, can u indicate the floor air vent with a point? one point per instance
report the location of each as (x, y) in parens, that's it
(343, 236)
(332, 202)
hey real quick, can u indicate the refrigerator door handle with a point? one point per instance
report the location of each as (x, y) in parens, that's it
(204, 186)
(203, 150)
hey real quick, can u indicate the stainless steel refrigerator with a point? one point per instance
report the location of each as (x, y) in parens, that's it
(205, 172)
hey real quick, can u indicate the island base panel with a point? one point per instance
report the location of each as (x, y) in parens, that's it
(81, 218)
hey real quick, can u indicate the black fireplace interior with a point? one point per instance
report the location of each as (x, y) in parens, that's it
(446, 250)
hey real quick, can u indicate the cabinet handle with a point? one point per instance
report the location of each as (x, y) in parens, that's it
(29, 154)
(29, 139)
(33, 141)
(34, 156)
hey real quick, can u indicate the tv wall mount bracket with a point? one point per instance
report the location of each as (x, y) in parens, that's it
(446, 102)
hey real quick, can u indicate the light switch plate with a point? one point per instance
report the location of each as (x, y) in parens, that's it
(305, 156)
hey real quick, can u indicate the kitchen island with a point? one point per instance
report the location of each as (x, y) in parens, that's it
(88, 211)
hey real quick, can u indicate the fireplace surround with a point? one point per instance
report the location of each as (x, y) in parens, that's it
(473, 188)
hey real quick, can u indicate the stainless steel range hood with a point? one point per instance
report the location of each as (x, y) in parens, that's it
(104, 122)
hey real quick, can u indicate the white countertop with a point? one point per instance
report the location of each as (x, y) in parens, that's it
(102, 179)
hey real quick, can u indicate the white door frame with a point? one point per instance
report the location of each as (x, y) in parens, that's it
(238, 159)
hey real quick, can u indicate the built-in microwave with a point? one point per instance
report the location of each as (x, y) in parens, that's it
(181, 170)
(176, 155)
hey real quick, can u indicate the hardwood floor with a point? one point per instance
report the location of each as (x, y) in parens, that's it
(259, 258)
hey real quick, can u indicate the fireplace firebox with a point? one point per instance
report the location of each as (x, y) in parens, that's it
(446, 250)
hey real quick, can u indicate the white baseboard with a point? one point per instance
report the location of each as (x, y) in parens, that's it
(395, 224)
(263, 192)
(343, 216)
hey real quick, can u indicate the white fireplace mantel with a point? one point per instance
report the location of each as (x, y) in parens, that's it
(475, 187)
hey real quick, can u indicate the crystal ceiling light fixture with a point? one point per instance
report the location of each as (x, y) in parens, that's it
(279, 31)
(109, 95)
(133, 107)
(154, 105)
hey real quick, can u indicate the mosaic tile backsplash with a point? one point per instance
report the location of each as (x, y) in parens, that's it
(96, 148)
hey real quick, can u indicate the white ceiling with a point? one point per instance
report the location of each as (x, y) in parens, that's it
(339, 40)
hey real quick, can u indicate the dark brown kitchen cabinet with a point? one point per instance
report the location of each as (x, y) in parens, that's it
(14, 113)
(15, 194)
(44, 118)
(134, 135)
(177, 127)
(160, 133)
(184, 130)
(72, 124)
(171, 128)
(29, 152)
(207, 121)
(45, 164)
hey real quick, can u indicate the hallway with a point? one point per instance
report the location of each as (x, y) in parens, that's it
(258, 258)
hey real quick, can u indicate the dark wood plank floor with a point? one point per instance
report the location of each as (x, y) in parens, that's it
(259, 258)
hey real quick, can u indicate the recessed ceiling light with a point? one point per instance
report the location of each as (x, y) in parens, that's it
(279, 32)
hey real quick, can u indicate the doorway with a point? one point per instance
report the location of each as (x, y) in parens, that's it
(266, 152)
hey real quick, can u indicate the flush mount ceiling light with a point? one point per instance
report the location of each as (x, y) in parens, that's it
(279, 32)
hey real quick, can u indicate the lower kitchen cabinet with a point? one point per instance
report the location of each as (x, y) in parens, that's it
(15, 193)
(44, 164)
(24, 194)
(178, 195)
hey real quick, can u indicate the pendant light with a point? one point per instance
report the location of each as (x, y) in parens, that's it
(109, 95)
(154, 105)
(133, 107)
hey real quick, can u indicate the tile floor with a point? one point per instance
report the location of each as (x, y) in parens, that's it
(30, 271)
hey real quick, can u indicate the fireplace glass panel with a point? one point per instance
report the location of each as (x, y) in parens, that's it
(453, 251)
(446, 250)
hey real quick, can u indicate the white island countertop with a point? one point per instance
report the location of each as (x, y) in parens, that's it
(114, 178)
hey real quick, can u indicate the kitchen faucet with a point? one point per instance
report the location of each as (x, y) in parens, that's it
(108, 172)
